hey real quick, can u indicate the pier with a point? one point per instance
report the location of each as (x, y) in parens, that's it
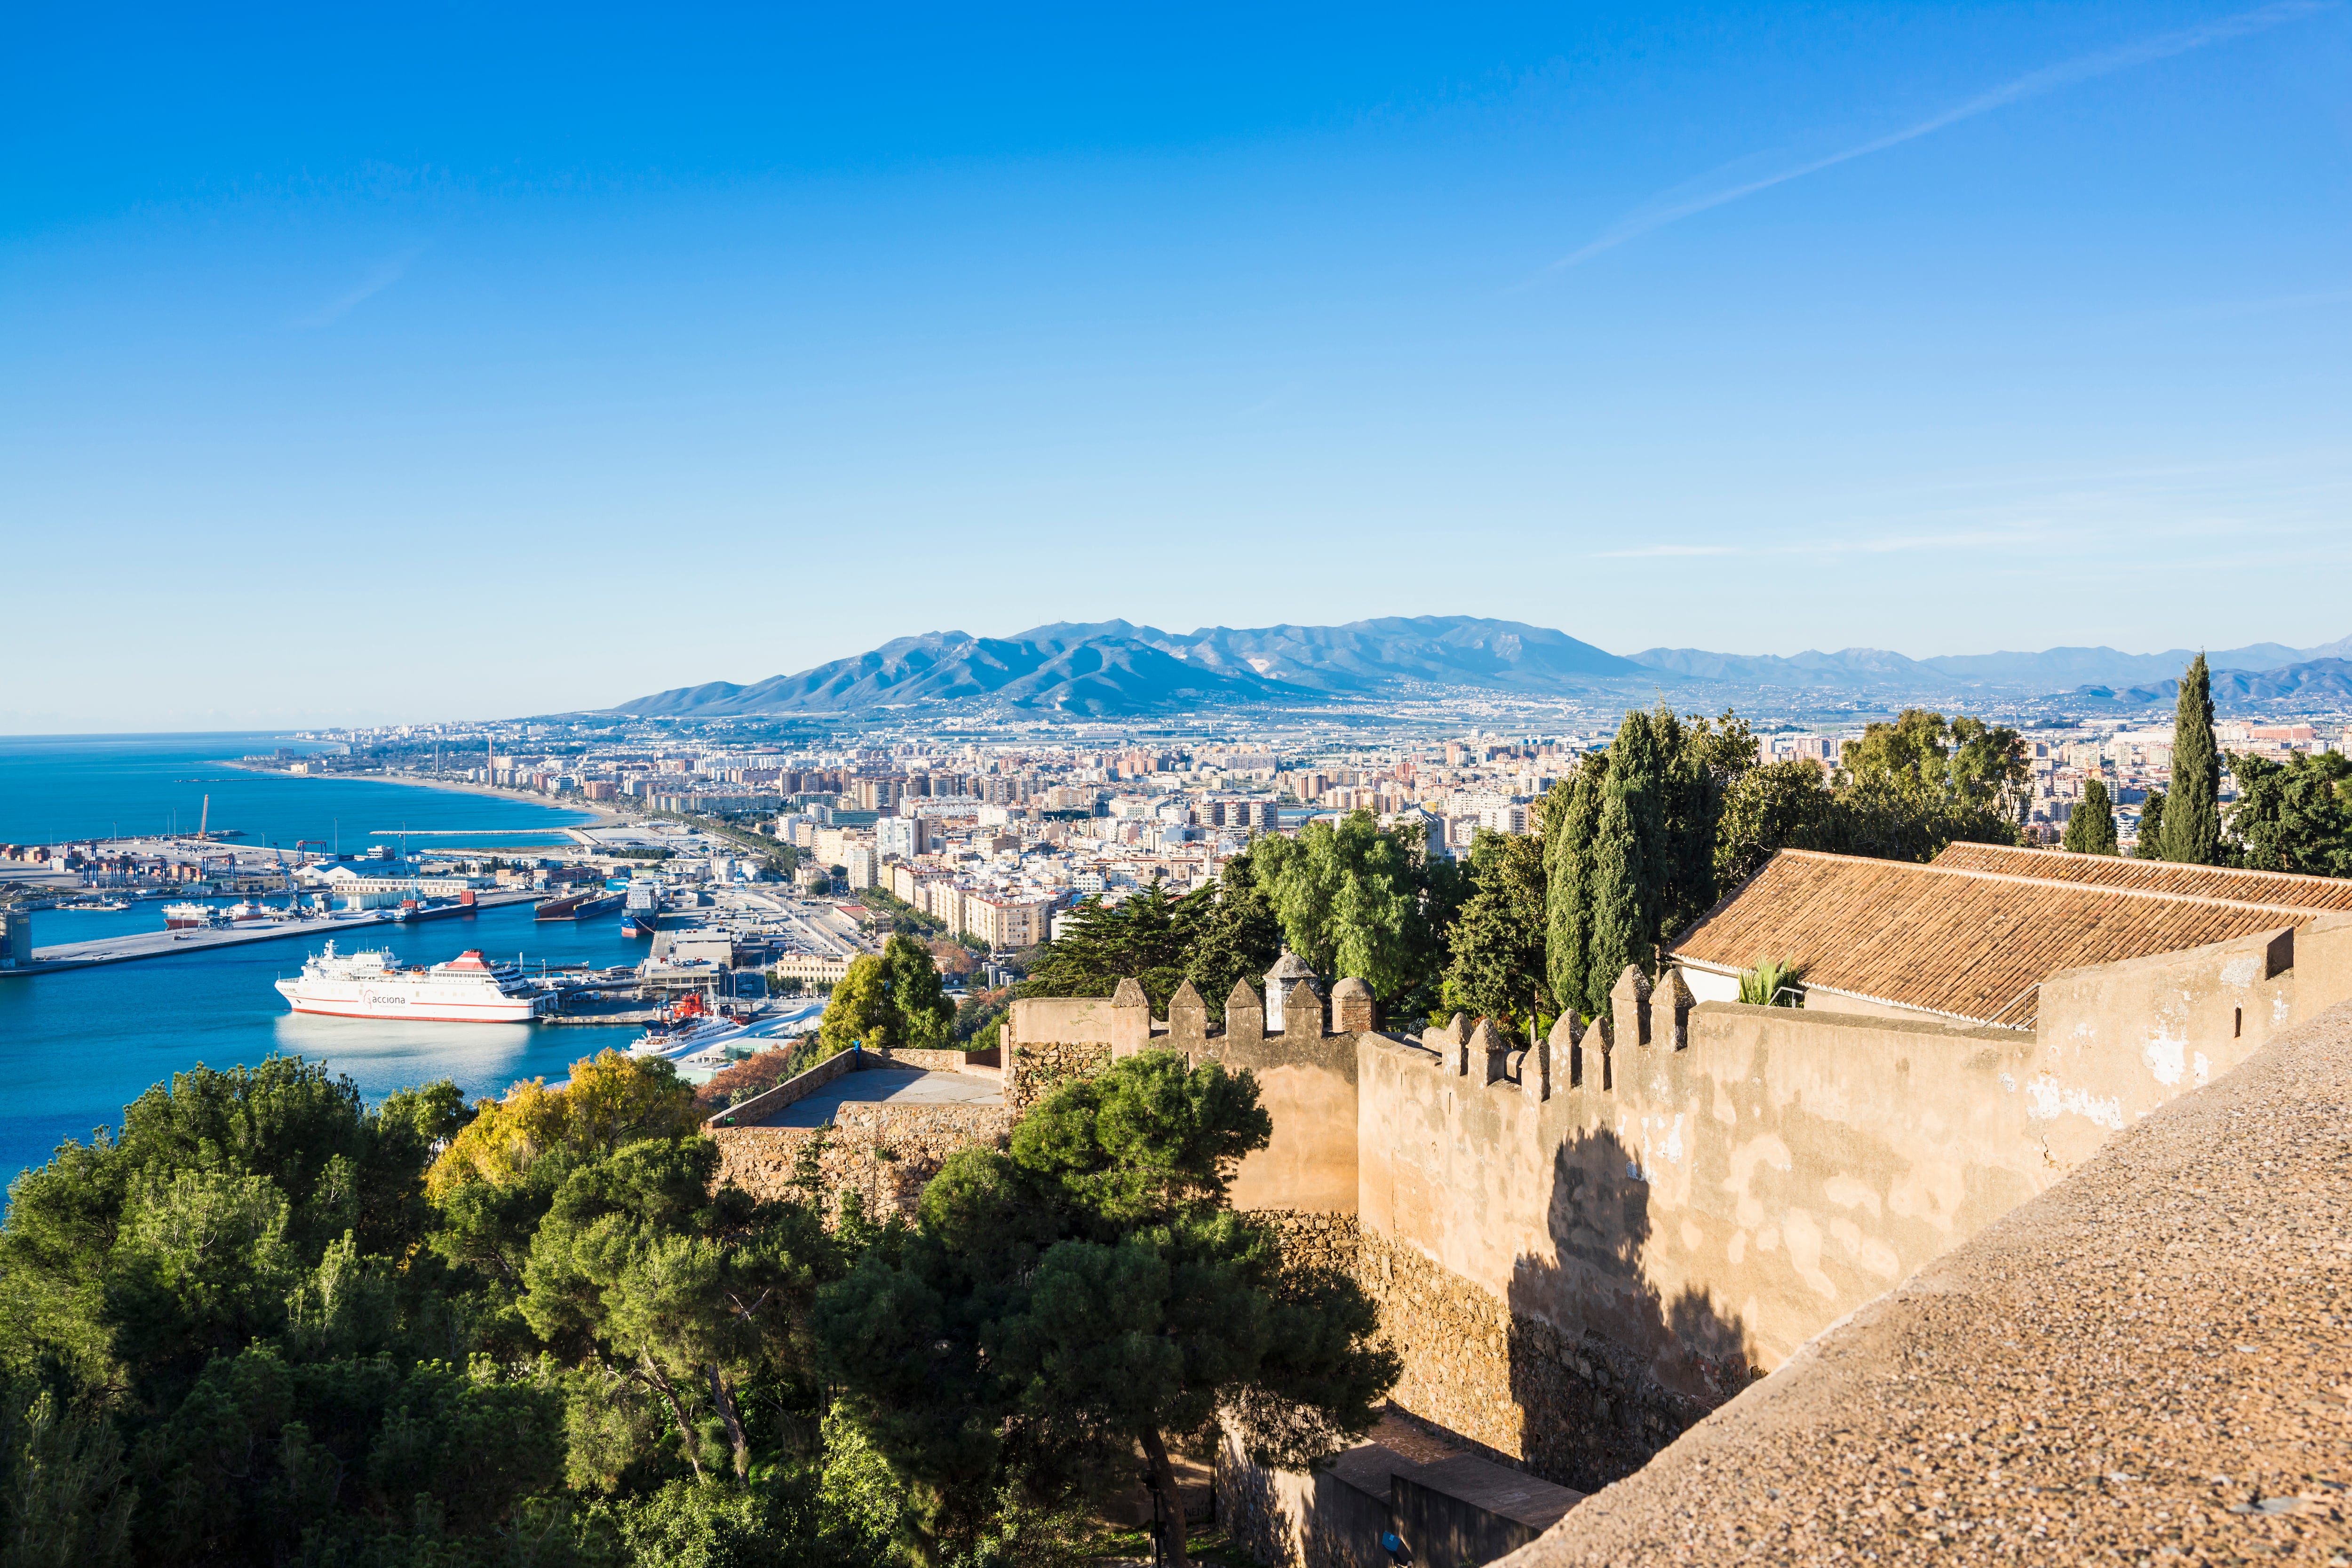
(128, 949)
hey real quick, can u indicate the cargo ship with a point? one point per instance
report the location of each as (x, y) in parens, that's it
(467, 989)
(414, 910)
(577, 906)
(641, 914)
(193, 917)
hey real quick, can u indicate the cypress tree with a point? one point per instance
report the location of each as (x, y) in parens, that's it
(1572, 816)
(1639, 762)
(2192, 810)
(2151, 828)
(2091, 830)
(1619, 934)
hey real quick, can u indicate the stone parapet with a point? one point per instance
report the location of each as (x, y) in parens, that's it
(2146, 1363)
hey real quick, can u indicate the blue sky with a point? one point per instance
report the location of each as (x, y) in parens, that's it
(421, 361)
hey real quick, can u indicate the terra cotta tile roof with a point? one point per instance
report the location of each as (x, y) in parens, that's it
(1965, 943)
(2318, 894)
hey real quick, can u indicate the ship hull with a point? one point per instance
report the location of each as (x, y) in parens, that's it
(434, 912)
(584, 906)
(416, 1005)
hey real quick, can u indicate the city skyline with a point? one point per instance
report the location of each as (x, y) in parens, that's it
(524, 368)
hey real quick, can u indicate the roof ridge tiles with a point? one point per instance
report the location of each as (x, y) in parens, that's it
(2305, 911)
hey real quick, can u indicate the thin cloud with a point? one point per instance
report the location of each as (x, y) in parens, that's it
(1881, 545)
(2033, 84)
(383, 276)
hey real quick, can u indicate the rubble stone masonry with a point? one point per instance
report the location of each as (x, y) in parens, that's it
(1504, 1385)
(1035, 1070)
(884, 1153)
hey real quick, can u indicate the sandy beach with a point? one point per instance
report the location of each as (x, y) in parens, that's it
(606, 817)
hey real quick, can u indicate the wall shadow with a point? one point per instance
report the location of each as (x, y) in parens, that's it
(1605, 1369)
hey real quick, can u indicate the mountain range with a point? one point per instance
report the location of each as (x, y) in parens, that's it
(1104, 668)
(2327, 680)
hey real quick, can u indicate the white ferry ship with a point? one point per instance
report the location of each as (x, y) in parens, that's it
(467, 989)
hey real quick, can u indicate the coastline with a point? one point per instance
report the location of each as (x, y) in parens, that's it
(605, 816)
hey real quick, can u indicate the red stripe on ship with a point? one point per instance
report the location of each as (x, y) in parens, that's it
(420, 1017)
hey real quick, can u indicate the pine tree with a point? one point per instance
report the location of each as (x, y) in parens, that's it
(2091, 830)
(2151, 828)
(2192, 812)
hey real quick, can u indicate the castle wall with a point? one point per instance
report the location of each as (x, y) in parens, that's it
(1578, 1253)
(1308, 1085)
(1305, 1077)
(884, 1153)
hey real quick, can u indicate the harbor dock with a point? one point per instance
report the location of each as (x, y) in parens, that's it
(127, 949)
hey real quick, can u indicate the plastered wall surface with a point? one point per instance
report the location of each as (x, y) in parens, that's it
(1305, 1078)
(2117, 1041)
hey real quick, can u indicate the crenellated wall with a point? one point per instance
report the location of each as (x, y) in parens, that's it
(1581, 1248)
(1305, 1074)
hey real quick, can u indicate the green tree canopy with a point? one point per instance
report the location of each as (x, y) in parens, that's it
(2293, 816)
(1235, 934)
(641, 1267)
(1631, 846)
(2150, 844)
(1089, 1295)
(1146, 937)
(1962, 764)
(1357, 900)
(2091, 828)
(1350, 898)
(2192, 807)
(236, 1295)
(1498, 969)
(1900, 802)
(891, 999)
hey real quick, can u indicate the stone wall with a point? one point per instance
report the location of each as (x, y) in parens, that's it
(884, 1153)
(1504, 1385)
(980, 1064)
(1580, 1412)
(1032, 1070)
(888, 1154)
(766, 1161)
(2147, 1364)
(1305, 1074)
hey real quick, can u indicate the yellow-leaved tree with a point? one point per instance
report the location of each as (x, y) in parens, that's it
(498, 1176)
(610, 1100)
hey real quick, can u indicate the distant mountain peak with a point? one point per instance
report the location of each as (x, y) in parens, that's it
(1108, 668)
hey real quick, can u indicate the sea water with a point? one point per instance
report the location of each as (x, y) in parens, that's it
(56, 787)
(76, 1048)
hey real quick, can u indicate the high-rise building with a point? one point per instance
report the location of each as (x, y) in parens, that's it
(905, 836)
